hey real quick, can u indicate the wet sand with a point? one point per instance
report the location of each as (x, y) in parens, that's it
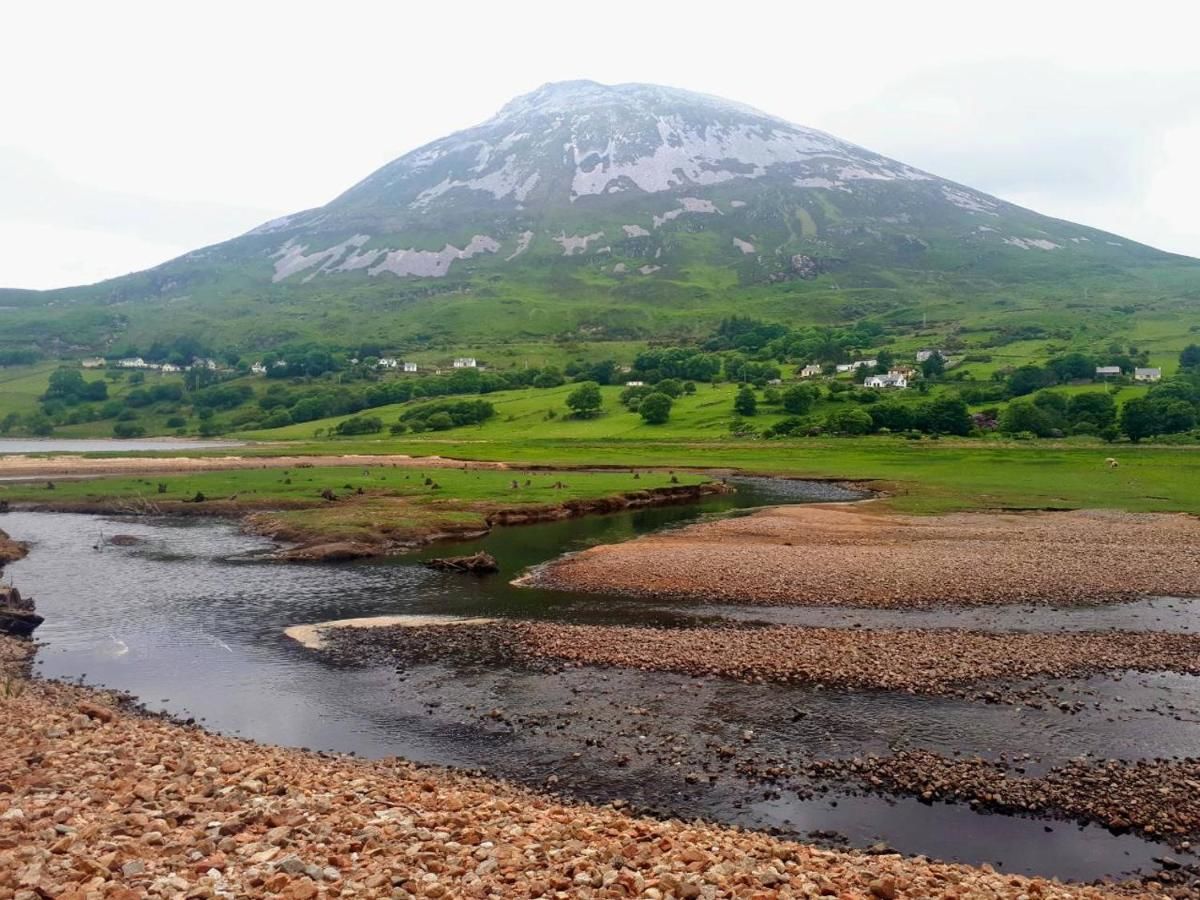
(832, 555)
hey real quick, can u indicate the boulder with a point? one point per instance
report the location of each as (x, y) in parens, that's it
(475, 564)
(19, 623)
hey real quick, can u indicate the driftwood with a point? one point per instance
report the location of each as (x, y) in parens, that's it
(476, 564)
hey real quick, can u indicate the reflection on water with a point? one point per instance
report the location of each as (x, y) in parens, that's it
(191, 623)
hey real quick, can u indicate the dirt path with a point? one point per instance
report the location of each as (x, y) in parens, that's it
(860, 556)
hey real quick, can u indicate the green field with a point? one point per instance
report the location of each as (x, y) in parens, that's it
(920, 476)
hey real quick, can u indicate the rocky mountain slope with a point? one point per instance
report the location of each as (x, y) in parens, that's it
(613, 211)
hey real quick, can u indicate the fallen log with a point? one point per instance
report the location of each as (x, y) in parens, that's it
(475, 564)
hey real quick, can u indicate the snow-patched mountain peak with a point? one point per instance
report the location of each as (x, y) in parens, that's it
(570, 140)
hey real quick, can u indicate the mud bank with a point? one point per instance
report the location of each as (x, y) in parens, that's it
(103, 802)
(859, 556)
(314, 546)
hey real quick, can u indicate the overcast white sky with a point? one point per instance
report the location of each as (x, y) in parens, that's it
(132, 132)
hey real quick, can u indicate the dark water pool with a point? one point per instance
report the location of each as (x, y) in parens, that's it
(190, 622)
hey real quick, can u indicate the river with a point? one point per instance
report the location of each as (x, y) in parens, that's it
(190, 619)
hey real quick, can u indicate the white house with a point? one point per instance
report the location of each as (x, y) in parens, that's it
(171, 367)
(131, 362)
(1108, 371)
(1141, 374)
(410, 367)
(635, 384)
(388, 362)
(204, 363)
(811, 370)
(465, 362)
(923, 355)
(858, 364)
(258, 369)
(92, 362)
(886, 381)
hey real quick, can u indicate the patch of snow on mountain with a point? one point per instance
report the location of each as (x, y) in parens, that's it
(432, 263)
(744, 246)
(1032, 243)
(968, 200)
(574, 243)
(523, 242)
(292, 257)
(635, 231)
(737, 204)
(649, 270)
(688, 154)
(816, 181)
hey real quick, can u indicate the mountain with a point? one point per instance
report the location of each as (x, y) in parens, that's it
(590, 211)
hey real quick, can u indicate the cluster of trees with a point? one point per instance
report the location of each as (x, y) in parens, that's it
(1169, 407)
(1053, 414)
(443, 415)
(1067, 368)
(944, 414)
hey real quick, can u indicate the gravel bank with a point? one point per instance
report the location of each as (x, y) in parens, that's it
(921, 661)
(840, 555)
(1157, 797)
(100, 802)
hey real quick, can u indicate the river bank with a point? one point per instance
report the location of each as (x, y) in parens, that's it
(343, 512)
(102, 801)
(861, 556)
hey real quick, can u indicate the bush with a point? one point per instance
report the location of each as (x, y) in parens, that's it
(849, 420)
(398, 428)
(585, 401)
(128, 430)
(745, 403)
(655, 409)
(359, 425)
(799, 399)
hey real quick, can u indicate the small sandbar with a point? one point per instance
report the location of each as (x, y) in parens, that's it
(313, 636)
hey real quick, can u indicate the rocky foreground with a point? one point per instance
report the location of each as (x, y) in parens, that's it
(825, 555)
(98, 801)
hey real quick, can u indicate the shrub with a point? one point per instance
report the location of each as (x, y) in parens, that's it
(655, 409)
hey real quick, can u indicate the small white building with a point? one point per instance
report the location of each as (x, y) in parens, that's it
(810, 371)
(1143, 374)
(886, 381)
(388, 362)
(410, 367)
(131, 362)
(92, 362)
(1108, 371)
(775, 381)
(635, 384)
(923, 355)
(465, 362)
(258, 369)
(204, 363)
(168, 368)
(857, 364)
